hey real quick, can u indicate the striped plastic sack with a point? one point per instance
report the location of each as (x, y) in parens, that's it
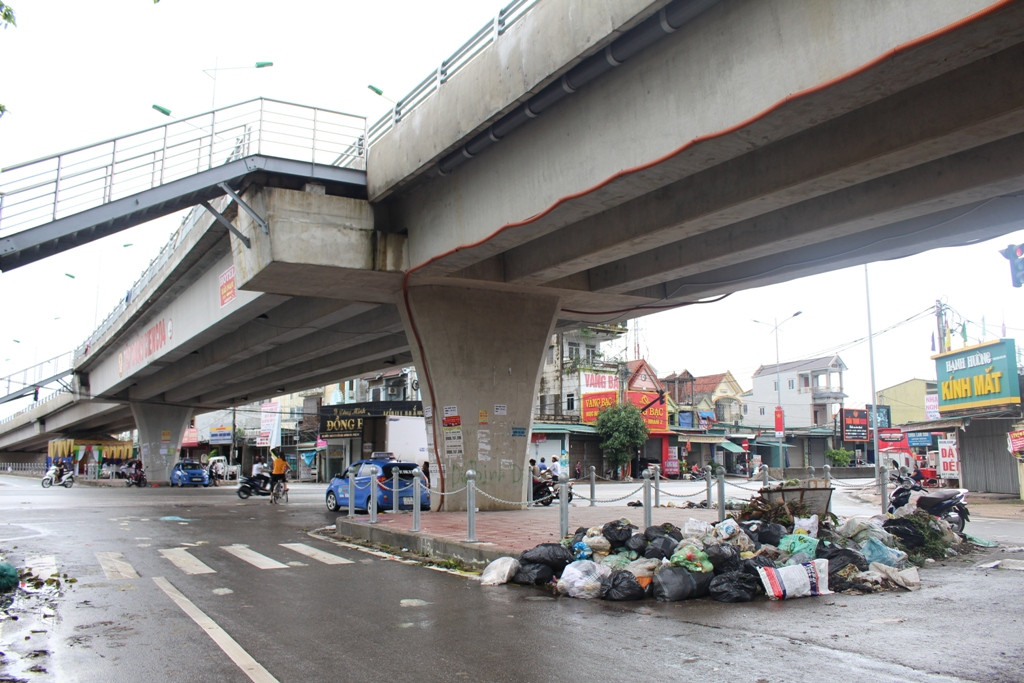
(796, 581)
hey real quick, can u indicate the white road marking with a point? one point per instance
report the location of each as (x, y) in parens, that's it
(115, 566)
(184, 561)
(242, 659)
(313, 553)
(257, 560)
(43, 566)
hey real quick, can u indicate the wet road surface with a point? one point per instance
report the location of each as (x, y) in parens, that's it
(197, 585)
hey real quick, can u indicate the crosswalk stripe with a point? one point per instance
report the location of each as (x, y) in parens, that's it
(313, 553)
(42, 566)
(183, 560)
(257, 560)
(115, 566)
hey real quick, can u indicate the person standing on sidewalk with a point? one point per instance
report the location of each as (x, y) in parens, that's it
(555, 469)
(579, 469)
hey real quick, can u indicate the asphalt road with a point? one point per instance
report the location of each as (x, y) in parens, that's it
(169, 588)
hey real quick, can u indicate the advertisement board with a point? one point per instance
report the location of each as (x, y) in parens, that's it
(978, 378)
(855, 424)
(949, 459)
(655, 416)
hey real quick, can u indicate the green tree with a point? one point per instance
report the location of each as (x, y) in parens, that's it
(839, 457)
(6, 19)
(622, 430)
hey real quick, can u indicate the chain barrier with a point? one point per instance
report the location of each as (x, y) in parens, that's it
(663, 492)
(608, 500)
(499, 500)
(745, 488)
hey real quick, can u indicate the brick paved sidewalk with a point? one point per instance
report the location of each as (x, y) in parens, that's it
(499, 533)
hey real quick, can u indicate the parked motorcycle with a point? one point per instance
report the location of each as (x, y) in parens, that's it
(50, 478)
(136, 477)
(248, 486)
(947, 504)
(547, 490)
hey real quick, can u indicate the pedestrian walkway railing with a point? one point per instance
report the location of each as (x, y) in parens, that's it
(486, 35)
(649, 490)
(47, 189)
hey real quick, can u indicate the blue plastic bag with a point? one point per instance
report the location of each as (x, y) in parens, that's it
(876, 551)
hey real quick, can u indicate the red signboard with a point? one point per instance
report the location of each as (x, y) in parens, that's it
(780, 422)
(191, 437)
(655, 417)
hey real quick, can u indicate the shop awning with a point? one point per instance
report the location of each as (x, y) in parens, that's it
(559, 428)
(698, 438)
(936, 425)
(730, 446)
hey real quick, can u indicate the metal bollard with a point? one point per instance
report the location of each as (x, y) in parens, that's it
(372, 504)
(707, 482)
(471, 506)
(657, 485)
(396, 505)
(351, 494)
(416, 499)
(593, 486)
(647, 498)
(883, 485)
(764, 476)
(563, 505)
(828, 485)
(529, 489)
(721, 493)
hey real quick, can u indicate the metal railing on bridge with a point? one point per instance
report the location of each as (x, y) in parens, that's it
(487, 34)
(44, 190)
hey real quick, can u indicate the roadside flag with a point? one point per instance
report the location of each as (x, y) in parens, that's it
(933, 342)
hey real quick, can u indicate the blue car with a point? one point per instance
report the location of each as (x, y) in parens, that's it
(189, 473)
(379, 480)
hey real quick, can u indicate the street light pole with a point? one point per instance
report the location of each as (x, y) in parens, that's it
(780, 416)
(212, 73)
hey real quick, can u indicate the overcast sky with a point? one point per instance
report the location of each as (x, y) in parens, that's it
(77, 73)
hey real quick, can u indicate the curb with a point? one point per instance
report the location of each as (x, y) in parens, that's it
(467, 552)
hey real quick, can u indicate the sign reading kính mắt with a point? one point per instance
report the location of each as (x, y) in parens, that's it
(978, 377)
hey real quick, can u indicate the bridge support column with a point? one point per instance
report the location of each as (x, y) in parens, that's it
(479, 355)
(161, 429)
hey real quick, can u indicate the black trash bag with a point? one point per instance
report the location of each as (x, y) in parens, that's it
(738, 586)
(660, 548)
(724, 557)
(580, 534)
(752, 529)
(702, 583)
(750, 566)
(666, 529)
(553, 555)
(533, 574)
(617, 532)
(910, 536)
(622, 585)
(673, 583)
(840, 558)
(637, 543)
(771, 532)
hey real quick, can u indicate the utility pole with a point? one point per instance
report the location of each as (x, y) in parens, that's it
(940, 323)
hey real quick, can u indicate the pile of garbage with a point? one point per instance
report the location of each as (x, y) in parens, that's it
(731, 561)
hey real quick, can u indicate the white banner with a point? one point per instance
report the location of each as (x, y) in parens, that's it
(949, 459)
(270, 425)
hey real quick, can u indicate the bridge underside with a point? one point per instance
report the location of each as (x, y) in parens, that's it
(681, 175)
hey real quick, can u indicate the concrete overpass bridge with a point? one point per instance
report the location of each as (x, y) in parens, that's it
(596, 162)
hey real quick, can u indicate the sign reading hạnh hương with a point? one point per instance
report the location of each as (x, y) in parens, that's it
(977, 377)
